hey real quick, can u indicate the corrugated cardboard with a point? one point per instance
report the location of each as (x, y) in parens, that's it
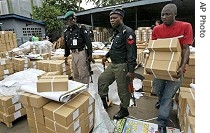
(34, 125)
(38, 101)
(164, 45)
(35, 117)
(52, 83)
(165, 56)
(191, 61)
(163, 68)
(190, 125)
(14, 116)
(12, 109)
(7, 101)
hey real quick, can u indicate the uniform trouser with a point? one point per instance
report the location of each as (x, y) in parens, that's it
(165, 90)
(115, 72)
(79, 67)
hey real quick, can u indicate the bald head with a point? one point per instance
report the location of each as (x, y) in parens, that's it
(171, 7)
(168, 14)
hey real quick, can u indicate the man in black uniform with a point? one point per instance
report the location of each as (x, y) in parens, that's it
(123, 54)
(76, 40)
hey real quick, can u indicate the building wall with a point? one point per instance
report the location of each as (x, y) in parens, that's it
(23, 29)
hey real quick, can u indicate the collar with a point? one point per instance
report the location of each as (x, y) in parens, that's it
(119, 28)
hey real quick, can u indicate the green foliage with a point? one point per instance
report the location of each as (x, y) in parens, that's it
(51, 10)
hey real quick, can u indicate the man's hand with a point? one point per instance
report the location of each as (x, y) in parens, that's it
(130, 75)
(179, 73)
(66, 61)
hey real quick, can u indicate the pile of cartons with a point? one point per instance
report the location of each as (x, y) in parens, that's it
(6, 68)
(164, 58)
(189, 75)
(53, 65)
(7, 41)
(186, 109)
(10, 109)
(47, 116)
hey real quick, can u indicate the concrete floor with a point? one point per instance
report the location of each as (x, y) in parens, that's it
(145, 110)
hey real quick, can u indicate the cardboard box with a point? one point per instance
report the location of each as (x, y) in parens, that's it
(7, 101)
(190, 125)
(35, 117)
(72, 127)
(191, 61)
(12, 117)
(12, 109)
(60, 113)
(164, 68)
(34, 125)
(38, 101)
(165, 56)
(52, 83)
(164, 45)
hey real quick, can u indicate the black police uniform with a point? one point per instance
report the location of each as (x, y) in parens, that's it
(78, 32)
(79, 44)
(123, 54)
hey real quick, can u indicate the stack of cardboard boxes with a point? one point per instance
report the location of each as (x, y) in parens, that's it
(6, 68)
(7, 41)
(164, 58)
(186, 109)
(10, 109)
(47, 116)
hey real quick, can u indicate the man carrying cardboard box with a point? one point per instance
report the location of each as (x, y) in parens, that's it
(166, 89)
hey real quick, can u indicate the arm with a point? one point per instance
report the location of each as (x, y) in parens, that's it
(131, 53)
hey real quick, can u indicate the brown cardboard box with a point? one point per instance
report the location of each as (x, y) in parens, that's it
(7, 101)
(38, 111)
(164, 45)
(12, 109)
(34, 125)
(35, 117)
(190, 125)
(71, 128)
(89, 121)
(60, 113)
(12, 117)
(38, 101)
(52, 83)
(24, 98)
(162, 67)
(165, 56)
(191, 61)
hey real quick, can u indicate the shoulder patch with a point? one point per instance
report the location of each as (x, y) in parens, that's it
(130, 40)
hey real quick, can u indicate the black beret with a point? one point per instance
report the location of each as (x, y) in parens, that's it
(119, 11)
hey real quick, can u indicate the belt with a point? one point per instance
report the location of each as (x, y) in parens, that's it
(77, 50)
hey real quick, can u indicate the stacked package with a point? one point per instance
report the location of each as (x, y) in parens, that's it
(10, 109)
(6, 68)
(164, 58)
(143, 34)
(53, 65)
(47, 116)
(34, 110)
(20, 64)
(52, 83)
(189, 75)
(7, 41)
(186, 109)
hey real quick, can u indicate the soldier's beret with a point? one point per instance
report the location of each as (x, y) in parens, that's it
(119, 11)
(69, 14)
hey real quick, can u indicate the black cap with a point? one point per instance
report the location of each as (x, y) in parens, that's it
(119, 11)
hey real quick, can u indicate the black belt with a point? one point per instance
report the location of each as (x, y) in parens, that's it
(77, 50)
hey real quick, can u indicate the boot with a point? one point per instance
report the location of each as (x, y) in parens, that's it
(162, 129)
(104, 102)
(122, 113)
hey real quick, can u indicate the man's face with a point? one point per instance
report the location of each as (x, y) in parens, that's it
(70, 21)
(167, 16)
(115, 20)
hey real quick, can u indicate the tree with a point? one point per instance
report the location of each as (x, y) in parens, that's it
(102, 3)
(51, 10)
